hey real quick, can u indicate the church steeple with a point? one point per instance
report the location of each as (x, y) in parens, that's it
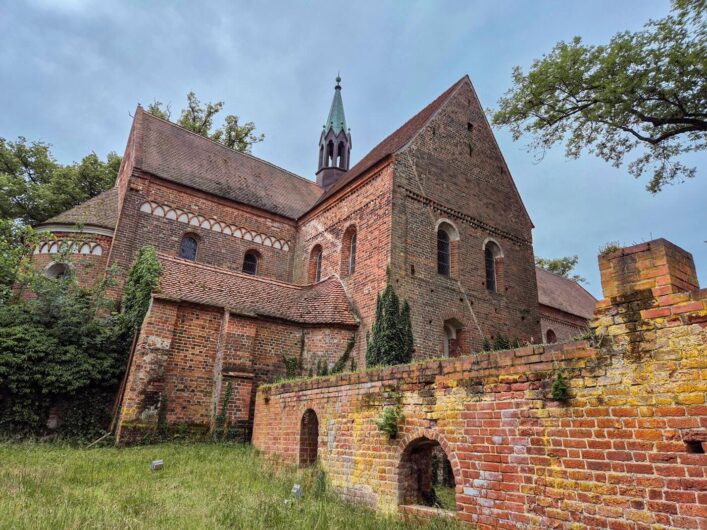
(334, 143)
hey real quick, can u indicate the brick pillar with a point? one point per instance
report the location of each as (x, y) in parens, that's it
(656, 268)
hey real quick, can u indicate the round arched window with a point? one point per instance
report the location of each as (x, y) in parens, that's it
(250, 262)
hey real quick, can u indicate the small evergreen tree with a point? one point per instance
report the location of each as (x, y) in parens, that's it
(391, 340)
(143, 279)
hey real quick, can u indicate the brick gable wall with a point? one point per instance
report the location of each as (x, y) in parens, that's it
(438, 178)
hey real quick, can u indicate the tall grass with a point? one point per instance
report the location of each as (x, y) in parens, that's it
(201, 486)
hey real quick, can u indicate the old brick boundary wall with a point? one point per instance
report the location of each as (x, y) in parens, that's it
(623, 453)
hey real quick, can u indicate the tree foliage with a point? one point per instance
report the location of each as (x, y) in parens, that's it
(16, 243)
(199, 118)
(143, 279)
(643, 92)
(61, 348)
(35, 187)
(561, 266)
(391, 340)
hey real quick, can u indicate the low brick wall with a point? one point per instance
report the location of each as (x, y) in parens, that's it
(624, 452)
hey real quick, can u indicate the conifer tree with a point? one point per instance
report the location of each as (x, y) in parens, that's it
(390, 340)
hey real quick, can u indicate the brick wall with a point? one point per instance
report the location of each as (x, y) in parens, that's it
(187, 354)
(565, 326)
(622, 453)
(89, 268)
(137, 229)
(453, 172)
(367, 207)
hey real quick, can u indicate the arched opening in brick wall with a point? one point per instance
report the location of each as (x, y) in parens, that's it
(550, 337)
(425, 477)
(454, 338)
(447, 249)
(308, 438)
(314, 269)
(494, 266)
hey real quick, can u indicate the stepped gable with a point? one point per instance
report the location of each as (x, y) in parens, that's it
(100, 211)
(176, 154)
(563, 294)
(325, 302)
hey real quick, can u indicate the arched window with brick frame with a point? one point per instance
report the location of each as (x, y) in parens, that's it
(493, 266)
(447, 249)
(315, 264)
(348, 251)
(251, 262)
(188, 247)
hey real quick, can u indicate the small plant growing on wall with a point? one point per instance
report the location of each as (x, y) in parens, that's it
(560, 388)
(389, 420)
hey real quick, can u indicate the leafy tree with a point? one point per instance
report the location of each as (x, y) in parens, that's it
(644, 91)
(143, 279)
(62, 347)
(35, 187)
(561, 266)
(16, 243)
(390, 341)
(199, 118)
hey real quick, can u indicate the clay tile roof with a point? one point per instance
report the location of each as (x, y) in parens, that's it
(322, 303)
(101, 211)
(396, 141)
(563, 294)
(173, 153)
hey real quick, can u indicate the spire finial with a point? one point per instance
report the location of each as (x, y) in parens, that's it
(338, 81)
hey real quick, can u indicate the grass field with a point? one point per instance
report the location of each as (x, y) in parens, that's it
(201, 486)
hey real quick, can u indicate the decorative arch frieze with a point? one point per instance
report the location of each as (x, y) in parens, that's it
(212, 224)
(85, 248)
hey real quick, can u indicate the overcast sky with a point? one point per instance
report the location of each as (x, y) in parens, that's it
(72, 72)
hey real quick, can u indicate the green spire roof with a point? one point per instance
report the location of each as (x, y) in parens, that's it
(336, 119)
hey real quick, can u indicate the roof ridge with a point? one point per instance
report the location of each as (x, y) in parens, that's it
(249, 155)
(262, 279)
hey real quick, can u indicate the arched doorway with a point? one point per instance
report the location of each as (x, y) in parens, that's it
(308, 438)
(425, 476)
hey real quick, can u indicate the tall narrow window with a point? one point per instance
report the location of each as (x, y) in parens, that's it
(348, 252)
(187, 250)
(493, 260)
(352, 257)
(315, 264)
(250, 262)
(444, 253)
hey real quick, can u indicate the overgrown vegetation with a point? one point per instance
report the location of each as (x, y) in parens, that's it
(609, 247)
(389, 421)
(390, 341)
(221, 423)
(340, 365)
(211, 485)
(560, 389)
(64, 349)
(500, 342)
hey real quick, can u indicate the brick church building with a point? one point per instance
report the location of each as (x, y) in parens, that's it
(260, 264)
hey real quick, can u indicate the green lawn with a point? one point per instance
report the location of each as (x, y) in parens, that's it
(201, 486)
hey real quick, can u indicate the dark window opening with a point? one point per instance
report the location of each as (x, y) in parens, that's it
(551, 338)
(340, 155)
(490, 254)
(694, 447)
(443, 253)
(187, 250)
(56, 270)
(315, 264)
(250, 263)
(330, 154)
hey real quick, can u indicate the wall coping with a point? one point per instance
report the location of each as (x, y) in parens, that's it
(534, 358)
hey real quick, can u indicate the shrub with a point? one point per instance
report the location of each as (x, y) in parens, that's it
(388, 421)
(560, 389)
(391, 340)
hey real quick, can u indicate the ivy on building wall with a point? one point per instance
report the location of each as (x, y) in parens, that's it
(63, 351)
